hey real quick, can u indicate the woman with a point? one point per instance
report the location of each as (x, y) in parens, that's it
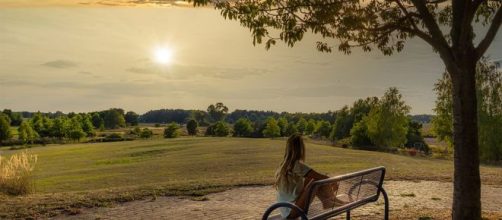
(294, 178)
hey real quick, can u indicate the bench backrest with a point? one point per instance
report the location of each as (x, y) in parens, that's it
(351, 190)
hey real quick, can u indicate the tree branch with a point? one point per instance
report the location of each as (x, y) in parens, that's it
(490, 35)
(440, 43)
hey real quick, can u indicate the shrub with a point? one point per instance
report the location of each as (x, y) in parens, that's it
(221, 129)
(135, 131)
(243, 128)
(16, 173)
(146, 133)
(114, 136)
(192, 127)
(172, 130)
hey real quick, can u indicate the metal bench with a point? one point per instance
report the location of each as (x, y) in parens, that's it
(353, 190)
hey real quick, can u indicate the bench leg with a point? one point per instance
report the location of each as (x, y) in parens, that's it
(348, 215)
(386, 201)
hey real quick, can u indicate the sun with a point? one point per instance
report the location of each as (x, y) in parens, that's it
(163, 55)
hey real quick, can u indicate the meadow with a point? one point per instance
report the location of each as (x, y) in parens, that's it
(72, 176)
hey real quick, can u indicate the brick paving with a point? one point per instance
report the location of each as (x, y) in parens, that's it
(250, 202)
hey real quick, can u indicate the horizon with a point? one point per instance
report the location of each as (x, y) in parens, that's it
(156, 57)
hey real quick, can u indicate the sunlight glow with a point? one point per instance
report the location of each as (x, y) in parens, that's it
(163, 55)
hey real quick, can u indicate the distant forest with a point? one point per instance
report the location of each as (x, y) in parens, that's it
(181, 116)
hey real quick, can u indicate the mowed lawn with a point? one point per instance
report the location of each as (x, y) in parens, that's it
(197, 164)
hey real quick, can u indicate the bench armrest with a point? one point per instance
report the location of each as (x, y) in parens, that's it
(275, 206)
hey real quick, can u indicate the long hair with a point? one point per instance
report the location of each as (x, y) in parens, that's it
(295, 151)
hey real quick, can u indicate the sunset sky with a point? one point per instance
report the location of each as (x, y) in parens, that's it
(78, 55)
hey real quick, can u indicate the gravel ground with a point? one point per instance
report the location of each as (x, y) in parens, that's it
(408, 200)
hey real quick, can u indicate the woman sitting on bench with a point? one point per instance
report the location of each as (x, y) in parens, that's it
(294, 178)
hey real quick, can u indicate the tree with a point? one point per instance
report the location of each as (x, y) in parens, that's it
(192, 127)
(26, 132)
(60, 127)
(311, 127)
(87, 126)
(15, 117)
(442, 123)
(291, 129)
(97, 121)
(172, 130)
(5, 133)
(489, 94)
(414, 137)
(75, 131)
(131, 118)
(323, 129)
(282, 122)
(271, 128)
(217, 112)
(146, 133)
(40, 124)
(343, 124)
(199, 116)
(243, 128)
(387, 123)
(386, 25)
(359, 135)
(301, 125)
(114, 118)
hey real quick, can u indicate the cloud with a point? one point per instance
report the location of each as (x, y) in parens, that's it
(189, 71)
(60, 64)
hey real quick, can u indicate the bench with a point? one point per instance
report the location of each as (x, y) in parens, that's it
(353, 190)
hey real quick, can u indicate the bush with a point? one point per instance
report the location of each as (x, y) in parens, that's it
(243, 128)
(221, 129)
(359, 135)
(146, 133)
(135, 131)
(192, 127)
(114, 136)
(172, 130)
(16, 173)
(218, 129)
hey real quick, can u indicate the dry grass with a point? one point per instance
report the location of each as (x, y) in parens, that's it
(16, 173)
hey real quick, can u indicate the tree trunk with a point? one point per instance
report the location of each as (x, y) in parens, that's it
(467, 184)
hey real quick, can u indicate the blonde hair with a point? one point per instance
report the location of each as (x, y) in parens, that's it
(295, 151)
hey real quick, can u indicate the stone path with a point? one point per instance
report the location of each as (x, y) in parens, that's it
(409, 200)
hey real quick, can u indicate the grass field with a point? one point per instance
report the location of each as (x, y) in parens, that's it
(84, 175)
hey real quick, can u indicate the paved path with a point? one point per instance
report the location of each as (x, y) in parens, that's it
(409, 200)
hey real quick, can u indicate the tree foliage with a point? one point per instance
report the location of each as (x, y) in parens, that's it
(272, 129)
(243, 128)
(192, 127)
(217, 112)
(301, 125)
(282, 122)
(5, 132)
(323, 129)
(131, 118)
(387, 123)
(489, 92)
(172, 130)
(218, 129)
(26, 133)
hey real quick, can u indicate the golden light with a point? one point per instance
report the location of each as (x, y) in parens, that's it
(163, 55)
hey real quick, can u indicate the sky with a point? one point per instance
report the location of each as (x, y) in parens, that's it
(77, 55)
